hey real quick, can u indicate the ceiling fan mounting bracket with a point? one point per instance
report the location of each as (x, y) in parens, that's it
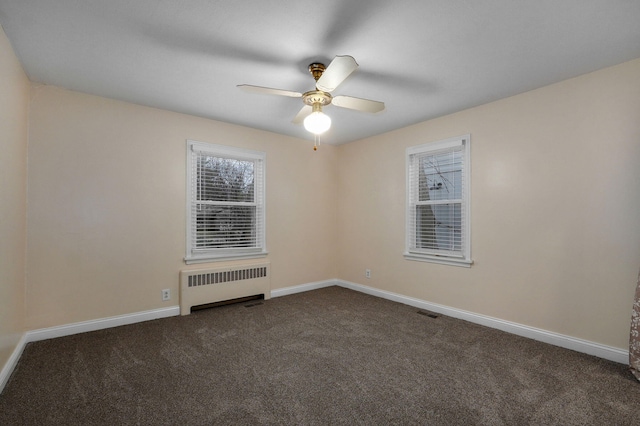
(316, 69)
(316, 97)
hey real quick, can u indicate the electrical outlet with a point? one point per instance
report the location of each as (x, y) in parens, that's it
(367, 273)
(166, 294)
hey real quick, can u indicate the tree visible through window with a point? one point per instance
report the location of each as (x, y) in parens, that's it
(437, 209)
(227, 202)
(225, 198)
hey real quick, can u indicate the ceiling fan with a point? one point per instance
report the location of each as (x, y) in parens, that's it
(327, 80)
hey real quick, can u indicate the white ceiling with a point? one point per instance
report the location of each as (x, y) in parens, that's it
(423, 58)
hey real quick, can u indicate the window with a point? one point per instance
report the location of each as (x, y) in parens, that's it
(438, 211)
(225, 203)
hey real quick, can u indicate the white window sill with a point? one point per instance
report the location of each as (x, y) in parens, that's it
(211, 258)
(452, 261)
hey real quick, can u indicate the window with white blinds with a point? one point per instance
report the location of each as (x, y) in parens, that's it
(225, 203)
(438, 211)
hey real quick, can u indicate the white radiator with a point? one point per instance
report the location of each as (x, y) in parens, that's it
(202, 286)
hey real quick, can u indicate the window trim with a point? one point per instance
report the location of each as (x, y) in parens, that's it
(214, 255)
(445, 259)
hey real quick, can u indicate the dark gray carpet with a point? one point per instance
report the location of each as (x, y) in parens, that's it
(330, 356)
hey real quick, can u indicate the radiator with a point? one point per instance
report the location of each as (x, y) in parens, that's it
(202, 286)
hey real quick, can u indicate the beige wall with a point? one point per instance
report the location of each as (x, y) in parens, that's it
(106, 205)
(14, 104)
(555, 208)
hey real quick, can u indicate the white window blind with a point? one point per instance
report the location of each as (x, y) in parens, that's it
(438, 202)
(225, 209)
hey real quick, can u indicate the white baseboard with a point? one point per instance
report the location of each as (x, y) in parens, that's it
(302, 288)
(11, 363)
(579, 345)
(101, 323)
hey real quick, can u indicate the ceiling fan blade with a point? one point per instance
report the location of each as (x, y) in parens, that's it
(302, 114)
(268, 91)
(338, 70)
(358, 104)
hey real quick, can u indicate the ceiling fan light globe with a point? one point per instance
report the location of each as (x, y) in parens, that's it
(317, 122)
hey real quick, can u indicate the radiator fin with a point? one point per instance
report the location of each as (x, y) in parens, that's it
(227, 276)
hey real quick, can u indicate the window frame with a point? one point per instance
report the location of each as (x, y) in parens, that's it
(194, 255)
(444, 257)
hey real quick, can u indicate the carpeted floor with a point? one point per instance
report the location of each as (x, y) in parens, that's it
(329, 356)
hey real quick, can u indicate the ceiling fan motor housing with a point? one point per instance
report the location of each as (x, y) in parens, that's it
(316, 97)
